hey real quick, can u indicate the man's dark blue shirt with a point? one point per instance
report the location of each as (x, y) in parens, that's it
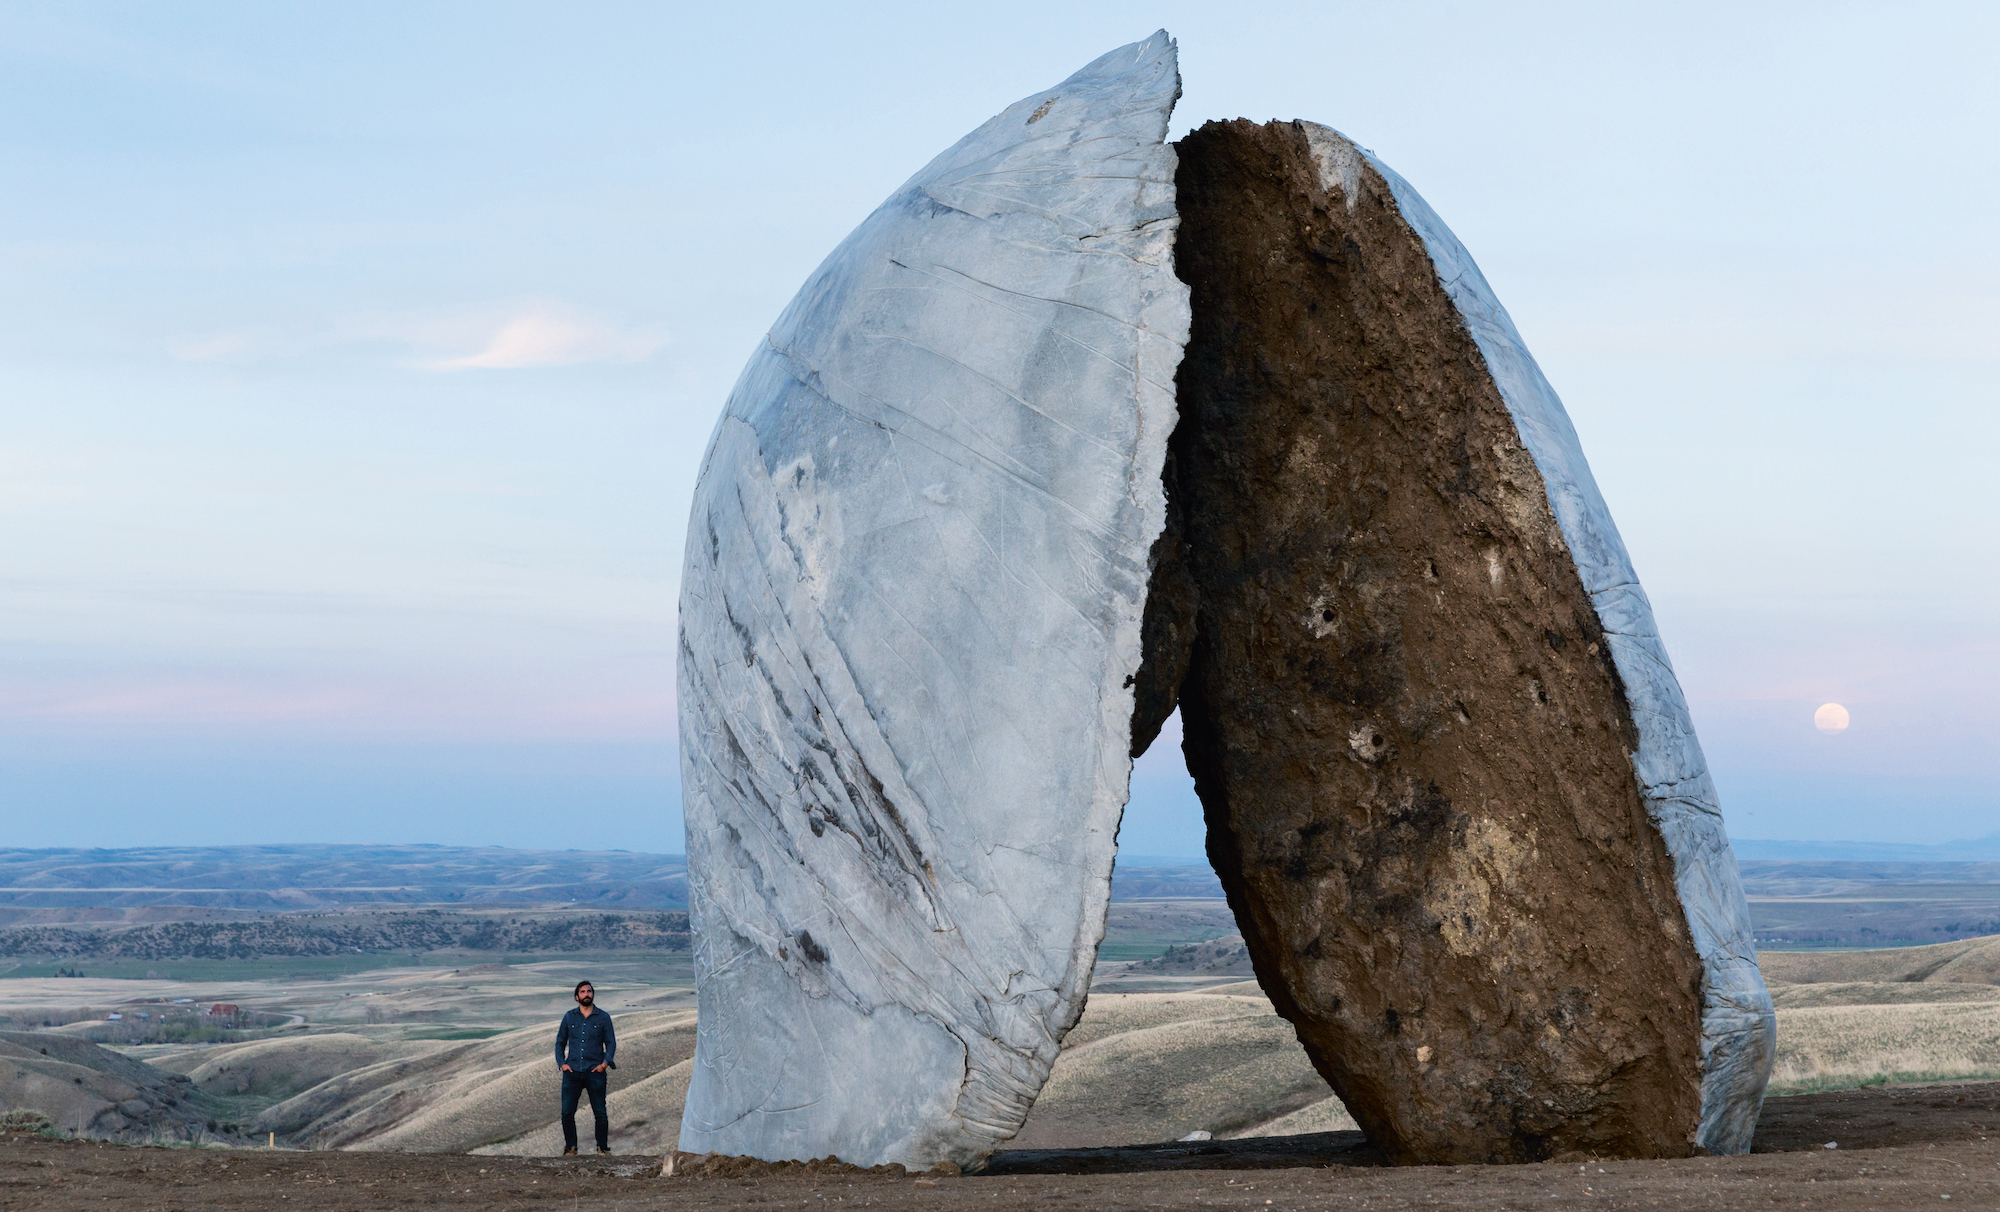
(585, 1043)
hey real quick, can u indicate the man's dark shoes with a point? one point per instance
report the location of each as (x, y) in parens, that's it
(569, 1151)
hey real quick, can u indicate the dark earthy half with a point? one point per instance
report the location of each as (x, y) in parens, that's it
(1402, 715)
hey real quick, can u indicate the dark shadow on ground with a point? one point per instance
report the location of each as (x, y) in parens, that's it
(1249, 1153)
(1877, 1117)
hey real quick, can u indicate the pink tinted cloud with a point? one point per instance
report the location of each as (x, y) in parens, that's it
(453, 710)
(178, 702)
(550, 335)
(500, 336)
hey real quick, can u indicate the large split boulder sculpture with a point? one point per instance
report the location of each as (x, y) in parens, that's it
(946, 574)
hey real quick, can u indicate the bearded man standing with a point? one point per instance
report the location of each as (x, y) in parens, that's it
(586, 1048)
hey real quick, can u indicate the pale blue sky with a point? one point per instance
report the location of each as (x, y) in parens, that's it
(355, 361)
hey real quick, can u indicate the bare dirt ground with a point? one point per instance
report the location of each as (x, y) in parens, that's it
(1899, 1147)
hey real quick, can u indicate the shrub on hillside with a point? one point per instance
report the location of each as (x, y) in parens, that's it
(29, 1120)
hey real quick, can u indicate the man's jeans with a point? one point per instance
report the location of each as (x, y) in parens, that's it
(575, 1084)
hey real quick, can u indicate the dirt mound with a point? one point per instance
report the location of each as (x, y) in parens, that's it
(716, 1165)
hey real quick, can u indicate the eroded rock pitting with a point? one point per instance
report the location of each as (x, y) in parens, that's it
(1400, 708)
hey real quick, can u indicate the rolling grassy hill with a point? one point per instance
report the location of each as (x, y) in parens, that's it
(457, 1060)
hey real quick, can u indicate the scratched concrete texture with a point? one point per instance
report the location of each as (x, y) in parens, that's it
(911, 607)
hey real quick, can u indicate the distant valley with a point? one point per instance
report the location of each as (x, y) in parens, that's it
(320, 877)
(302, 934)
(317, 878)
(248, 902)
(402, 997)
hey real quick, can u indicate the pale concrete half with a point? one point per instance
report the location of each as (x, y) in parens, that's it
(910, 620)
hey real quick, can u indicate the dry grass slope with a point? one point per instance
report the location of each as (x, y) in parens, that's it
(86, 1090)
(1968, 961)
(1140, 1067)
(645, 1118)
(1848, 1018)
(505, 1088)
(462, 1097)
(281, 1068)
(1146, 1067)
(1877, 993)
(1826, 1047)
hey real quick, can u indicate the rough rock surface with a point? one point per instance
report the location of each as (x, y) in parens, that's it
(910, 627)
(1452, 789)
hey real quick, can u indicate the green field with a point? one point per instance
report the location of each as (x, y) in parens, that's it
(1141, 930)
(1111, 953)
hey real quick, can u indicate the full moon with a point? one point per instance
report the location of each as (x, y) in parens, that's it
(1830, 718)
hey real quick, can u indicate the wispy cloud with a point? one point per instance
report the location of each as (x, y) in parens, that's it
(520, 335)
(213, 348)
(548, 334)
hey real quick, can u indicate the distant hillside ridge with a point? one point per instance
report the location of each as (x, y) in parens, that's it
(350, 933)
(232, 882)
(1972, 961)
(307, 877)
(1760, 873)
(1978, 850)
(1160, 882)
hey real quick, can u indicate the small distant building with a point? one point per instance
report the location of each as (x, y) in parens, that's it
(112, 1018)
(223, 1010)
